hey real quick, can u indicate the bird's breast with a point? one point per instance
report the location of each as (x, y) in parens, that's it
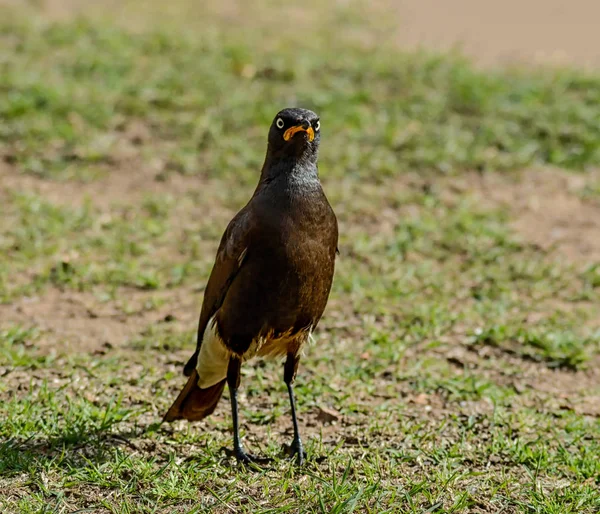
(282, 287)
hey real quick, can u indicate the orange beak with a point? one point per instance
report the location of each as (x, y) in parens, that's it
(289, 133)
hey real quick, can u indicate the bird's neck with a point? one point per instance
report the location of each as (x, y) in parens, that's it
(294, 169)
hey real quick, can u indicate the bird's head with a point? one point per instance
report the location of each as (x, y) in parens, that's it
(295, 133)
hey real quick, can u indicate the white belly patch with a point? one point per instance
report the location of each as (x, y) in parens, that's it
(213, 358)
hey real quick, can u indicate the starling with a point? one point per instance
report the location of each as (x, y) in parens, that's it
(271, 278)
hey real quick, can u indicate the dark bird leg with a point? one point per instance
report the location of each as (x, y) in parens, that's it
(233, 381)
(289, 374)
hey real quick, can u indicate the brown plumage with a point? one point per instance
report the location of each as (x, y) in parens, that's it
(271, 278)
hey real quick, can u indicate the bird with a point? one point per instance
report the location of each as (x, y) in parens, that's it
(270, 281)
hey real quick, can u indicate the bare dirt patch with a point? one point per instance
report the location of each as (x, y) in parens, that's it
(124, 183)
(75, 321)
(543, 32)
(547, 209)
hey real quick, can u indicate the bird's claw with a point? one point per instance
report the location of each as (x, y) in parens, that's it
(296, 450)
(246, 458)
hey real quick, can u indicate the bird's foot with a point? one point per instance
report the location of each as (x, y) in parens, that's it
(246, 458)
(296, 450)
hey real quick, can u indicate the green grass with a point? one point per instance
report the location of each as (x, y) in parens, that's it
(78, 247)
(71, 90)
(456, 360)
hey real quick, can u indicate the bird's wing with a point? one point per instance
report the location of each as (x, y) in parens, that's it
(230, 258)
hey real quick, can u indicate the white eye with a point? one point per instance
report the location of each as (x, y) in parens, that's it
(279, 123)
(317, 125)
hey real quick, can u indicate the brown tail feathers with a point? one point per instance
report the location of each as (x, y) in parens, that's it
(191, 364)
(194, 403)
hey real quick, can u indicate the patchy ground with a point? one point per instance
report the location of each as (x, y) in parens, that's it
(554, 210)
(457, 366)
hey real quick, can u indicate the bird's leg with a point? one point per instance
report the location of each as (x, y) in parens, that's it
(233, 382)
(289, 374)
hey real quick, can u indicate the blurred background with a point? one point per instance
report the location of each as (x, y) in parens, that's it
(456, 367)
(489, 32)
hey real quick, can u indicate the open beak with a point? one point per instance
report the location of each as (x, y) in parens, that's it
(289, 133)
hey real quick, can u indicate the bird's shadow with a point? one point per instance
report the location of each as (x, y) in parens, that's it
(78, 448)
(72, 448)
(263, 463)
